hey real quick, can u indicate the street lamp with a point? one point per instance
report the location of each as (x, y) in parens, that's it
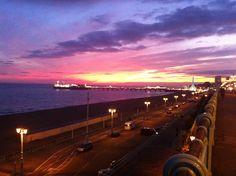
(192, 138)
(112, 111)
(183, 95)
(176, 97)
(22, 131)
(87, 118)
(147, 103)
(165, 100)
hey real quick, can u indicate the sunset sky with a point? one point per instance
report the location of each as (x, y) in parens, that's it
(116, 41)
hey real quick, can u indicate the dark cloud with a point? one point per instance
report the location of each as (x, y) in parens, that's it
(130, 31)
(81, 73)
(150, 14)
(194, 21)
(7, 62)
(3, 74)
(56, 72)
(165, 1)
(185, 57)
(101, 19)
(61, 2)
(186, 23)
(226, 4)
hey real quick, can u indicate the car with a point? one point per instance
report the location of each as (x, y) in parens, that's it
(129, 125)
(115, 134)
(168, 112)
(85, 146)
(105, 172)
(146, 131)
(176, 106)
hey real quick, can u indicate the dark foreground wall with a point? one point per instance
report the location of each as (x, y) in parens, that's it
(47, 119)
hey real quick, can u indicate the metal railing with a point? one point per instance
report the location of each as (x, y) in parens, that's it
(197, 161)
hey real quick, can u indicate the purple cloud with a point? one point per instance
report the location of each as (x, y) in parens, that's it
(186, 23)
(7, 62)
(101, 19)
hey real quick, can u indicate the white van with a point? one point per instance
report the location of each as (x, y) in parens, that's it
(129, 125)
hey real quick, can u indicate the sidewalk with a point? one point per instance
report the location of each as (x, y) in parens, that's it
(224, 151)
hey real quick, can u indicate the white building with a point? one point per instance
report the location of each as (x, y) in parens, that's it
(193, 87)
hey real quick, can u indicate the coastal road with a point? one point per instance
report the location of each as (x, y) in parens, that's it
(109, 149)
(67, 161)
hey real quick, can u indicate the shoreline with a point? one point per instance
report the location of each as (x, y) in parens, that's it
(53, 118)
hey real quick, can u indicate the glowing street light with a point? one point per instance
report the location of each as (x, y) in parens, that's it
(147, 103)
(176, 97)
(165, 100)
(112, 111)
(183, 95)
(192, 138)
(22, 131)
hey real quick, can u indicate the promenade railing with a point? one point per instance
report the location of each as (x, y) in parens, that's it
(197, 160)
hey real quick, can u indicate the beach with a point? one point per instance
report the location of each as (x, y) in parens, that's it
(54, 118)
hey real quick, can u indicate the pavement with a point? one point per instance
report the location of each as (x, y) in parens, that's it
(224, 150)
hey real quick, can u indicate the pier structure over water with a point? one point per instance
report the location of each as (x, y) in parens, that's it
(61, 85)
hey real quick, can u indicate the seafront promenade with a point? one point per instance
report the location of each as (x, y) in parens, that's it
(224, 150)
(104, 147)
(135, 154)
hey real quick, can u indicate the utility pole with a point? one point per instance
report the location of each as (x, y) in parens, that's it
(87, 117)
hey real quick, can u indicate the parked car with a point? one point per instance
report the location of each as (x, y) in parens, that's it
(129, 125)
(115, 134)
(146, 131)
(85, 146)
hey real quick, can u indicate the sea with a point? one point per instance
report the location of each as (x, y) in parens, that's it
(20, 98)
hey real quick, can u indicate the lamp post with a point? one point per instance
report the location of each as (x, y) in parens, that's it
(112, 111)
(192, 138)
(183, 95)
(87, 117)
(165, 100)
(22, 131)
(176, 97)
(147, 103)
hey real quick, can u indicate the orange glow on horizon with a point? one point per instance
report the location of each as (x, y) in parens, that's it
(138, 76)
